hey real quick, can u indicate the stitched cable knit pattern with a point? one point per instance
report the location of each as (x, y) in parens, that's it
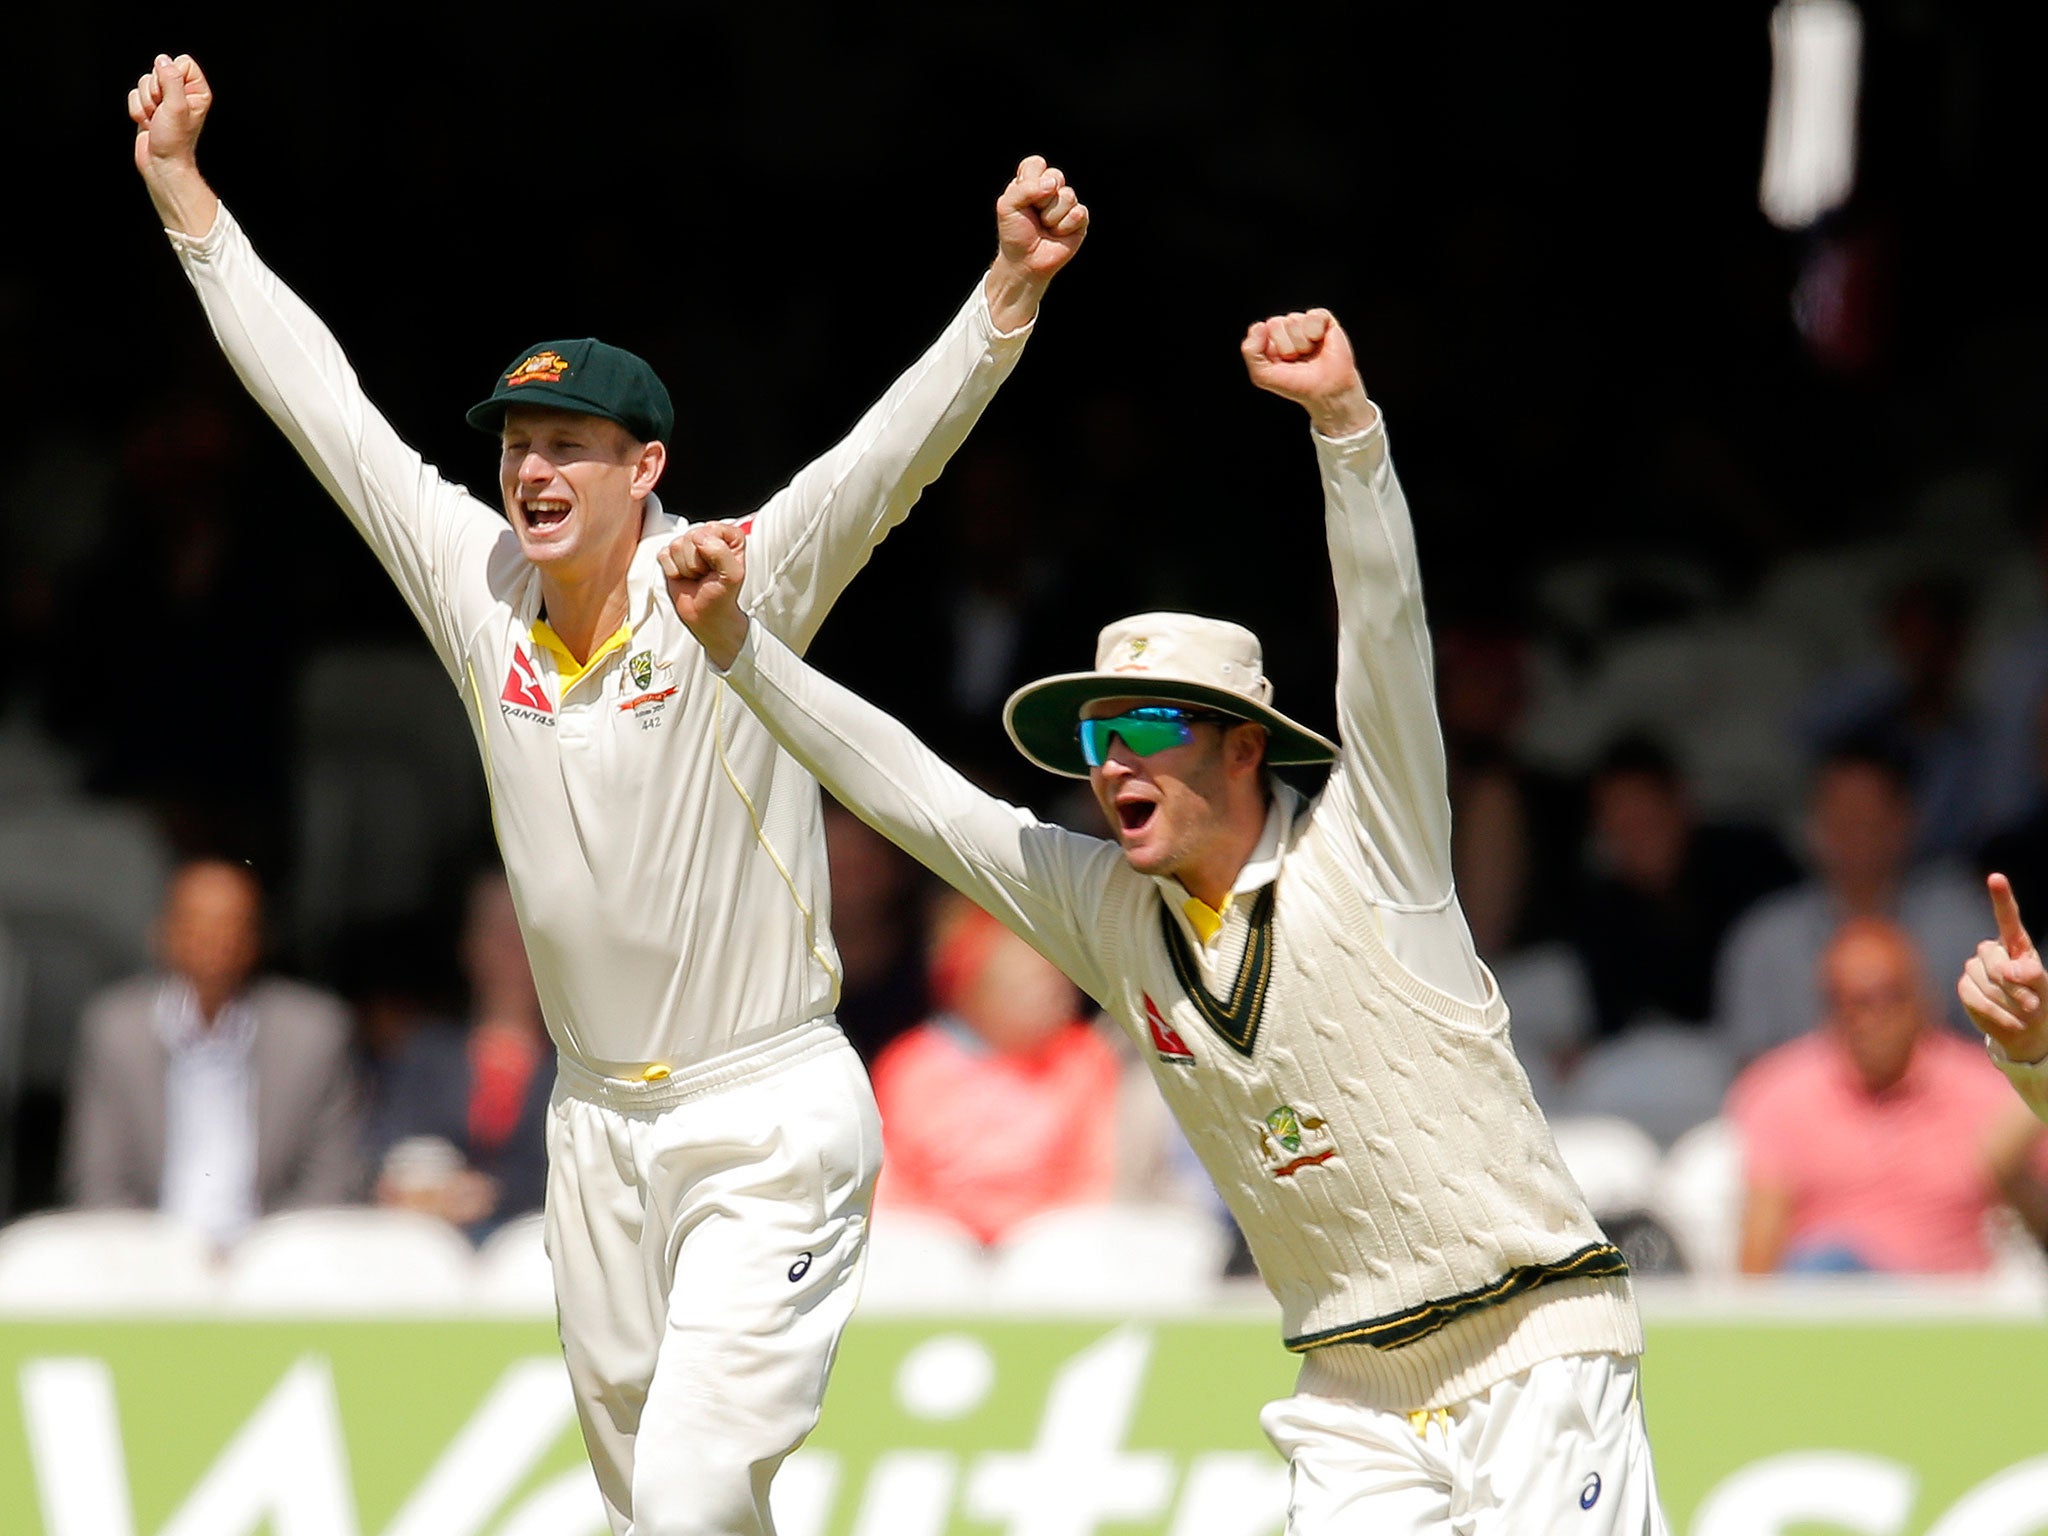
(1440, 1245)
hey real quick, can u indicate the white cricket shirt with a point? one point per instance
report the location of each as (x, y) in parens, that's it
(666, 857)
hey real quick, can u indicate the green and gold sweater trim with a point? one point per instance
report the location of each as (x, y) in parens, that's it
(1235, 1018)
(1596, 1261)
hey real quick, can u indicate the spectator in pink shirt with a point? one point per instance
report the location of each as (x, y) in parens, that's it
(1880, 1141)
(1005, 1103)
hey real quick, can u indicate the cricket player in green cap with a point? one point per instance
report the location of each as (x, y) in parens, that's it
(713, 1140)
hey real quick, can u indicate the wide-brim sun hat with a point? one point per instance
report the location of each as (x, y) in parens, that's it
(1181, 657)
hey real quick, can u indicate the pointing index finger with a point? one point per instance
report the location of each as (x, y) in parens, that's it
(2005, 906)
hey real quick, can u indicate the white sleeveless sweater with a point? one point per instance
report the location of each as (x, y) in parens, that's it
(1375, 1139)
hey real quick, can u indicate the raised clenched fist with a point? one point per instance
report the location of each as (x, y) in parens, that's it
(1040, 223)
(1040, 220)
(706, 565)
(168, 107)
(1306, 357)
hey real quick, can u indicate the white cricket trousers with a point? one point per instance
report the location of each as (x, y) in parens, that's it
(706, 1233)
(1559, 1450)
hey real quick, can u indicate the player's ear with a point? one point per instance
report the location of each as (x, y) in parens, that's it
(647, 467)
(1244, 747)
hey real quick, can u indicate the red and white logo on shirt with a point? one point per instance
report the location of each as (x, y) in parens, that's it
(523, 695)
(1171, 1048)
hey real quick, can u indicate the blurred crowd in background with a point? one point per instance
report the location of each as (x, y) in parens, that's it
(1736, 541)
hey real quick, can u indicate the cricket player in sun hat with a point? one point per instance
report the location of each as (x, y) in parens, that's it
(1299, 975)
(713, 1141)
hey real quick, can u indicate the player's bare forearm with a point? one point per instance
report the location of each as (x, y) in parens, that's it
(182, 199)
(168, 107)
(1344, 413)
(723, 636)
(1013, 296)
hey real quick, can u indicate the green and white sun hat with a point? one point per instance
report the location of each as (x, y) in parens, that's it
(1177, 656)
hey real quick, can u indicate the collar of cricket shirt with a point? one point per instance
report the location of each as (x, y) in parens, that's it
(1203, 921)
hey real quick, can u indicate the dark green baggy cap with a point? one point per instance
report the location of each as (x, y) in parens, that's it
(584, 375)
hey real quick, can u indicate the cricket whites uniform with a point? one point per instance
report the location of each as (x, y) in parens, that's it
(1340, 1060)
(713, 1139)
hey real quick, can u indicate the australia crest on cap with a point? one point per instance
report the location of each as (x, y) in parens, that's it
(541, 368)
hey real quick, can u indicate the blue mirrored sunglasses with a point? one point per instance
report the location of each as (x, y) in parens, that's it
(1145, 730)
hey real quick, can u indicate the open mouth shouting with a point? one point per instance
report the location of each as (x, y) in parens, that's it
(543, 514)
(1133, 815)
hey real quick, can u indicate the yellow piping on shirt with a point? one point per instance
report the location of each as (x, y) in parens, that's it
(761, 837)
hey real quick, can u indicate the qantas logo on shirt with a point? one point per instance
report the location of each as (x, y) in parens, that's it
(524, 698)
(1171, 1048)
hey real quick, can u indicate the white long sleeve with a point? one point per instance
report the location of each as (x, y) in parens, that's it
(1391, 774)
(432, 537)
(1043, 881)
(658, 844)
(1391, 810)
